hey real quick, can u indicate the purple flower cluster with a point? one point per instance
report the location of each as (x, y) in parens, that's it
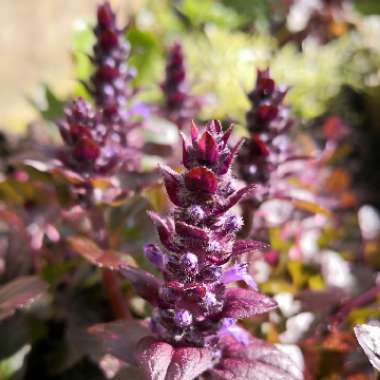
(180, 106)
(109, 84)
(268, 122)
(89, 147)
(195, 306)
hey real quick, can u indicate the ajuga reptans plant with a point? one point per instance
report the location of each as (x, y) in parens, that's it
(196, 308)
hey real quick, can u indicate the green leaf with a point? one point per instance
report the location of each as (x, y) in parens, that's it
(50, 106)
(146, 53)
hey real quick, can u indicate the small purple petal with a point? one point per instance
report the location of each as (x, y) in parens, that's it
(183, 318)
(189, 261)
(155, 255)
(239, 273)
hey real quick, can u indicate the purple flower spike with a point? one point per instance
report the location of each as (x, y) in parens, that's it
(179, 105)
(267, 120)
(87, 145)
(200, 234)
(155, 255)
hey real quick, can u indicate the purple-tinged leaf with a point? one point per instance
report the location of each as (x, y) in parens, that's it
(173, 184)
(188, 231)
(257, 361)
(20, 293)
(185, 151)
(227, 135)
(234, 198)
(154, 358)
(164, 228)
(144, 283)
(245, 246)
(215, 126)
(201, 179)
(94, 254)
(120, 338)
(368, 337)
(208, 148)
(228, 160)
(235, 369)
(188, 363)
(194, 131)
(243, 303)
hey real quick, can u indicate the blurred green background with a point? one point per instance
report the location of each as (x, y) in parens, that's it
(224, 42)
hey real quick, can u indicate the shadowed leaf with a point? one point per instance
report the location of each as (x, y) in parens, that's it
(20, 293)
(93, 253)
(120, 338)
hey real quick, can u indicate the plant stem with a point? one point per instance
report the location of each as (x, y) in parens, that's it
(111, 282)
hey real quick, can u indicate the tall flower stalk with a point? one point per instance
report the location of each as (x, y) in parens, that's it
(179, 105)
(269, 145)
(110, 85)
(194, 305)
(193, 329)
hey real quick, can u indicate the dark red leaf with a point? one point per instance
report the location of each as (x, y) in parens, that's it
(173, 184)
(227, 135)
(201, 179)
(194, 132)
(189, 231)
(208, 148)
(185, 151)
(164, 228)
